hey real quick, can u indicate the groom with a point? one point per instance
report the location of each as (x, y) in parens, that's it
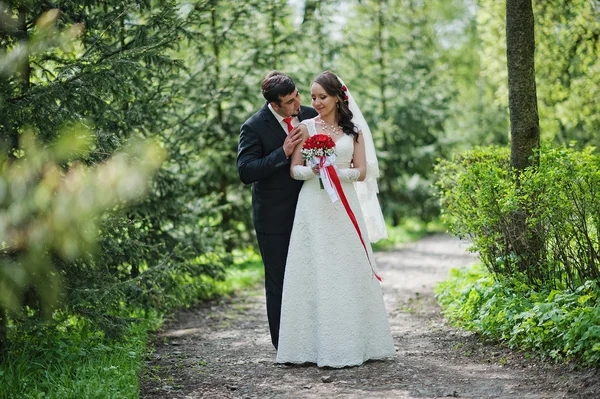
(267, 141)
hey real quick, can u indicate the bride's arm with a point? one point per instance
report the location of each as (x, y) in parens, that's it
(360, 157)
(359, 160)
(297, 169)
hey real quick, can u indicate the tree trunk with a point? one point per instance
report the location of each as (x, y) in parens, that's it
(226, 214)
(24, 36)
(382, 64)
(522, 98)
(11, 140)
(381, 60)
(273, 28)
(3, 333)
(524, 129)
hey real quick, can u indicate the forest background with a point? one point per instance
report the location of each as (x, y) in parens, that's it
(119, 120)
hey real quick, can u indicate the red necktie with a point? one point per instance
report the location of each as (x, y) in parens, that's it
(288, 121)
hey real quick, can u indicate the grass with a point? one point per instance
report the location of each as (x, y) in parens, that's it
(247, 270)
(65, 360)
(58, 365)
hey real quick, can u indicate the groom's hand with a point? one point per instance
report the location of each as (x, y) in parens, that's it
(293, 139)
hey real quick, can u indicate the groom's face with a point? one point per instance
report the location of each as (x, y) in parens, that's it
(289, 105)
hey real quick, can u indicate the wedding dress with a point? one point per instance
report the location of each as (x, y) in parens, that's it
(332, 312)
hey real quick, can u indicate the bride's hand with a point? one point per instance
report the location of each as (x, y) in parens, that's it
(316, 170)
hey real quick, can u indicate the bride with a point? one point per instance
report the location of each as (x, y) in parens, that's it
(332, 310)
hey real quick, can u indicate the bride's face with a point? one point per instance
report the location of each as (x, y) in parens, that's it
(323, 102)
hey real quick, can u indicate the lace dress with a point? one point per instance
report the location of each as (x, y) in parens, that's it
(332, 312)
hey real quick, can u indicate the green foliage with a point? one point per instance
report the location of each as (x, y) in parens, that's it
(392, 63)
(557, 324)
(567, 78)
(81, 91)
(106, 68)
(479, 115)
(569, 34)
(51, 214)
(479, 197)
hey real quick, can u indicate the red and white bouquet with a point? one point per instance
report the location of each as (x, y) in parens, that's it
(317, 147)
(319, 150)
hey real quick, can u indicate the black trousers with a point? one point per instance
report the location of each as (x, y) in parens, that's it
(273, 249)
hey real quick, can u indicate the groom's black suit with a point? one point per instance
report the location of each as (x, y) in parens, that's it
(262, 162)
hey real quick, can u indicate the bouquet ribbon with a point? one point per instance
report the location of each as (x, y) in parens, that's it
(333, 186)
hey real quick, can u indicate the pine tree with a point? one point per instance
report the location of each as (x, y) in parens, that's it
(119, 79)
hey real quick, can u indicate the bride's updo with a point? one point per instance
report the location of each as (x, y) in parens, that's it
(332, 85)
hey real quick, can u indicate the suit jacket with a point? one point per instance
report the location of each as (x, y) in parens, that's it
(262, 162)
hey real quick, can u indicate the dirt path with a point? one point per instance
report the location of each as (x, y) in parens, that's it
(223, 350)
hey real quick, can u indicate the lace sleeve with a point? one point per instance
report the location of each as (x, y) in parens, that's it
(300, 172)
(349, 174)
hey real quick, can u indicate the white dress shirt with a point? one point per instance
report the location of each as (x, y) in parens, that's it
(295, 120)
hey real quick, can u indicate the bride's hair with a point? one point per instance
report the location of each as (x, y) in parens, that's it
(332, 85)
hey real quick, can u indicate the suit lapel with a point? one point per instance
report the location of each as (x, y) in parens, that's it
(272, 123)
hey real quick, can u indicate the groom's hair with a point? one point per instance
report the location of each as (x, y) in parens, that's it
(276, 85)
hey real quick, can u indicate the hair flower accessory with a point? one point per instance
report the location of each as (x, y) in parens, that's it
(345, 98)
(344, 88)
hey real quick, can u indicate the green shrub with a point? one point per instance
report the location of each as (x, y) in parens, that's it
(480, 200)
(559, 324)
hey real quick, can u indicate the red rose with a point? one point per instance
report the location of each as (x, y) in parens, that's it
(319, 141)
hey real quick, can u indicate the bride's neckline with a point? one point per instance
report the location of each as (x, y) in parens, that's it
(335, 138)
(338, 137)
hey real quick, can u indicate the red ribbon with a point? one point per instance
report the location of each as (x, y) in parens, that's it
(338, 186)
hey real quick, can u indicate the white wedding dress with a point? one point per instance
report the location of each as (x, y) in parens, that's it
(332, 311)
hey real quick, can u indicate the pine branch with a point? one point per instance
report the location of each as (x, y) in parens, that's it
(125, 9)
